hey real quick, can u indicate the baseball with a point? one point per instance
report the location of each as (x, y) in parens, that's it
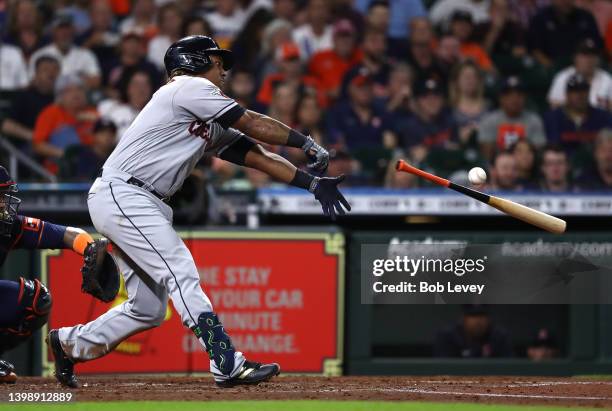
(477, 176)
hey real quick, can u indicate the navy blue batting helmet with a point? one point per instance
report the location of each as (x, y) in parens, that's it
(192, 54)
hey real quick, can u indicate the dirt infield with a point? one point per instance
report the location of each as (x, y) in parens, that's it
(515, 390)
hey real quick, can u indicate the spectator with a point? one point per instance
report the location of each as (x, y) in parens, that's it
(400, 14)
(100, 38)
(374, 62)
(504, 172)
(68, 121)
(543, 347)
(378, 15)
(330, 66)
(78, 11)
(13, 68)
(83, 162)
(587, 64)
(555, 170)
(599, 178)
(462, 28)
(195, 25)
(141, 20)
(525, 10)
(400, 87)
(187, 7)
(133, 99)
(276, 33)
(576, 123)
(316, 34)
(242, 87)
(431, 125)
(511, 122)
(25, 27)
(226, 21)
(284, 103)
(525, 157)
(20, 121)
(285, 9)
(345, 9)
(247, 44)
(131, 59)
(421, 29)
(73, 59)
(448, 54)
(475, 336)
(600, 9)
(504, 36)
(421, 55)
(467, 99)
(170, 23)
(441, 12)
(557, 29)
(356, 123)
(309, 118)
(290, 64)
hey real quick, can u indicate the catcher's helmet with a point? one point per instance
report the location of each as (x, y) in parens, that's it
(192, 55)
(8, 202)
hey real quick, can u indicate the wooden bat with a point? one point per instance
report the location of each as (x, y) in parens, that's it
(529, 215)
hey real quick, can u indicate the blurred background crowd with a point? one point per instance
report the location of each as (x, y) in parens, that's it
(518, 87)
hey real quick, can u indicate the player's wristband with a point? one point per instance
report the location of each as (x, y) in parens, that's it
(80, 242)
(296, 139)
(304, 180)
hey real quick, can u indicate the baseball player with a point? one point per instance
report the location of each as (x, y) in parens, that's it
(184, 120)
(25, 304)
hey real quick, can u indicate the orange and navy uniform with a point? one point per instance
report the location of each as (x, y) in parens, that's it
(32, 233)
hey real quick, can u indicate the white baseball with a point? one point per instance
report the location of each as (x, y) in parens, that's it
(477, 176)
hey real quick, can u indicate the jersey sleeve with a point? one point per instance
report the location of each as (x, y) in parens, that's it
(207, 102)
(39, 234)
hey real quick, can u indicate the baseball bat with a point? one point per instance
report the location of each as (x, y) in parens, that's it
(529, 215)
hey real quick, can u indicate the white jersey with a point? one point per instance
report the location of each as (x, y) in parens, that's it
(182, 121)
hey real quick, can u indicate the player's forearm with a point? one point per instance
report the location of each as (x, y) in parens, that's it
(278, 168)
(76, 239)
(272, 164)
(268, 130)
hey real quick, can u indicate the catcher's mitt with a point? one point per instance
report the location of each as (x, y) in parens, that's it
(100, 273)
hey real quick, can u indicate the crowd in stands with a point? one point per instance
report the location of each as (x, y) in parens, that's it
(518, 87)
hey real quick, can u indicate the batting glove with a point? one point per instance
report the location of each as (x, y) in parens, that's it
(325, 189)
(318, 156)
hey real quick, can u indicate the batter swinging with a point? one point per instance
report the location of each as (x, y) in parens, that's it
(185, 119)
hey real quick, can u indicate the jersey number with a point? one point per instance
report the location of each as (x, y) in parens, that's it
(200, 129)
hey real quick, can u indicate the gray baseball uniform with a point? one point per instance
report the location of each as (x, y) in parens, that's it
(185, 119)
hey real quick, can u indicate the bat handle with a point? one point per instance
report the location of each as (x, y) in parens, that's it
(401, 165)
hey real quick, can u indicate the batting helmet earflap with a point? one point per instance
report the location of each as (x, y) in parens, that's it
(192, 54)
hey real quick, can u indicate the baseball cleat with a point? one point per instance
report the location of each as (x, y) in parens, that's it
(251, 373)
(64, 367)
(7, 373)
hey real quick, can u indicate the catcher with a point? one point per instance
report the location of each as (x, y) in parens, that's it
(25, 304)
